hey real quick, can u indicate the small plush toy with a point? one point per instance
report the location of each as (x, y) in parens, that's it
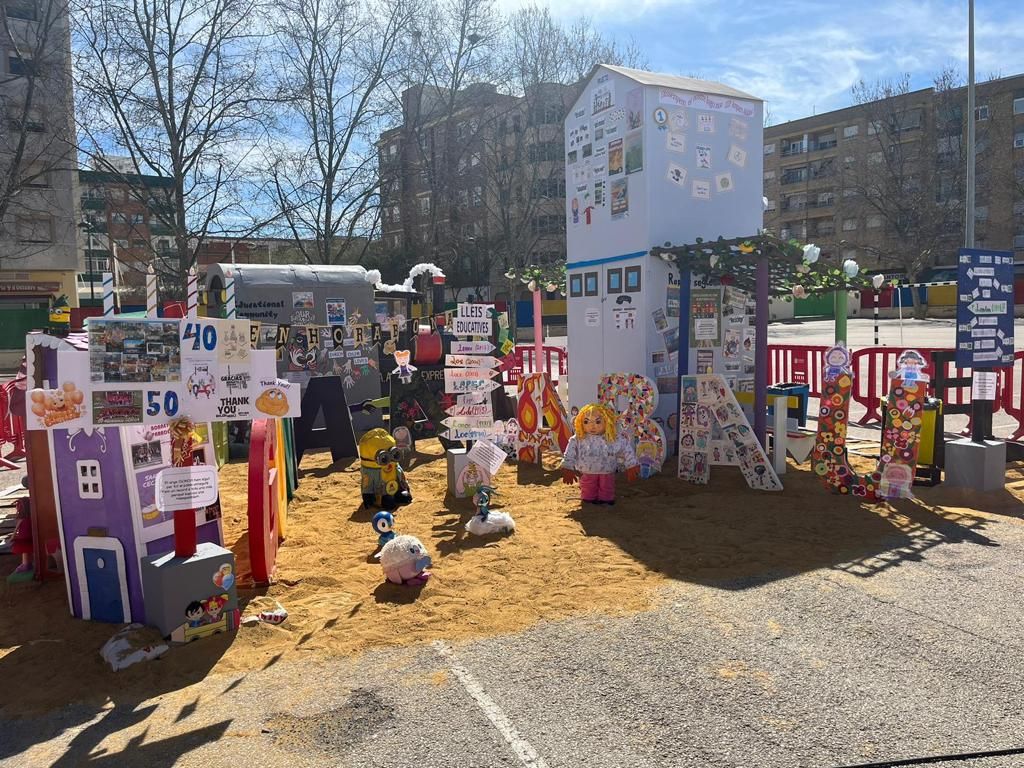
(382, 478)
(384, 524)
(22, 542)
(594, 453)
(405, 561)
(485, 521)
(404, 369)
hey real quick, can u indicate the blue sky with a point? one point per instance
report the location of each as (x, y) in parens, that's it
(802, 56)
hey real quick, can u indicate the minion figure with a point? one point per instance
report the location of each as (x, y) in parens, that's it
(383, 480)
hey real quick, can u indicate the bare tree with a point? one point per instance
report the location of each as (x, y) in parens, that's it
(906, 179)
(176, 86)
(36, 140)
(338, 58)
(486, 161)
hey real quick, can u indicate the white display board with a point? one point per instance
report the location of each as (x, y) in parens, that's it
(650, 159)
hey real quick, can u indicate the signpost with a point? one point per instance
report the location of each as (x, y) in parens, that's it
(984, 322)
(472, 347)
(469, 372)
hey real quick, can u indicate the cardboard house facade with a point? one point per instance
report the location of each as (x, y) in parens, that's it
(103, 483)
(650, 159)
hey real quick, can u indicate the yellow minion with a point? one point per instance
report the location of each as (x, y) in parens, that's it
(383, 480)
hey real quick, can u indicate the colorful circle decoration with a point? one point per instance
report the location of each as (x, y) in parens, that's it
(897, 462)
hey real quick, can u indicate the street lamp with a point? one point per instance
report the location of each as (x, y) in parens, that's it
(88, 225)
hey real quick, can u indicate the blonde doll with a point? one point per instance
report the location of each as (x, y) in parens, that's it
(595, 452)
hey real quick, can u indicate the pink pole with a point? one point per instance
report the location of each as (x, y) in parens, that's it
(538, 334)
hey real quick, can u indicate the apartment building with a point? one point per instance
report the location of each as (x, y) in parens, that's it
(124, 229)
(863, 180)
(37, 179)
(475, 182)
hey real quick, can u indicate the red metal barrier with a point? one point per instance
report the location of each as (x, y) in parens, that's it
(555, 359)
(1011, 394)
(797, 364)
(803, 364)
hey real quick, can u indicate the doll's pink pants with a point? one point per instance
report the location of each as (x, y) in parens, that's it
(597, 487)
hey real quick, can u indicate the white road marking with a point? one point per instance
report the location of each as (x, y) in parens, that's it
(523, 749)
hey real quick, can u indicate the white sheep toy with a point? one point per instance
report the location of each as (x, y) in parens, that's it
(405, 561)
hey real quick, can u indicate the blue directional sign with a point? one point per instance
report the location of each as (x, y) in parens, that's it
(984, 309)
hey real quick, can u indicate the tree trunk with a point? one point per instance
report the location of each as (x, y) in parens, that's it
(920, 307)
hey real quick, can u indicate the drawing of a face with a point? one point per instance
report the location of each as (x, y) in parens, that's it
(593, 423)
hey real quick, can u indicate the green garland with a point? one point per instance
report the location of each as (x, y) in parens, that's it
(550, 277)
(734, 262)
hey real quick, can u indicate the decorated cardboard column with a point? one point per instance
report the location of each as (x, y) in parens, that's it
(151, 310)
(192, 305)
(229, 299)
(108, 294)
(538, 332)
(183, 438)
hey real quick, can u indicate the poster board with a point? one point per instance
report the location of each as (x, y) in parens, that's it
(147, 371)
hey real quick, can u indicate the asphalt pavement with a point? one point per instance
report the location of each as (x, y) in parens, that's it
(915, 651)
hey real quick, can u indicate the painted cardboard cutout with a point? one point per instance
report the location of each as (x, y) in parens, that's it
(708, 407)
(264, 499)
(543, 424)
(327, 393)
(637, 420)
(897, 463)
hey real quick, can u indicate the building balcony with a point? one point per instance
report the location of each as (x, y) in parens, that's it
(156, 229)
(94, 204)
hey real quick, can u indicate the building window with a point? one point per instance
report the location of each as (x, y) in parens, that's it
(981, 113)
(849, 192)
(1018, 242)
(1018, 105)
(392, 150)
(850, 131)
(27, 10)
(544, 189)
(476, 197)
(772, 205)
(981, 213)
(1018, 140)
(547, 150)
(769, 175)
(137, 219)
(90, 481)
(474, 159)
(548, 225)
(769, 149)
(20, 66)
(32, 122)
(874, 221)
(425, 206)
(36, 177)
(34, 229)
(395, 214)
(874, 126)
(849, 225)
(1018, 208)
(876, 157)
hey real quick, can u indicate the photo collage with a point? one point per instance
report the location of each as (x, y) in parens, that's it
(147, 351)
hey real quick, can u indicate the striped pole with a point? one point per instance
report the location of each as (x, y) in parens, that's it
(192, 307)
(108, 293)
(876, 317)
(151, 292)
(229, 288)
